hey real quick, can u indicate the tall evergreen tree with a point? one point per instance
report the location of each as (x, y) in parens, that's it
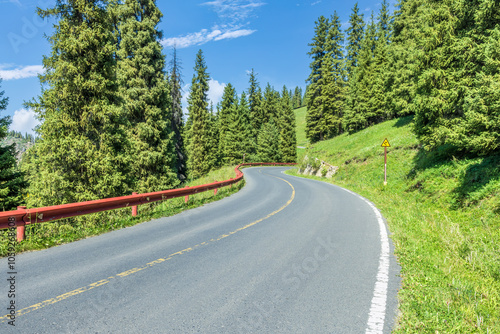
(81, 153)
(254, 104)
(355, 34)
(268, 143)
(175, 83)
(314, 116)
(227, 106)
(333, 90)
(12, 184)
(146, 97)
(198, 119)
(288, 139)
(359, 111)
(270, 105)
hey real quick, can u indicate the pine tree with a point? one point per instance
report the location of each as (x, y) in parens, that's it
(81, 153)
(333, 90)
(359, 111)
(288, 139)
(355, 34)
(314, 129)
(254, 105)
(404, 59)
(175, 83)
(268, 143)
(225, 110)
(213, 155)
(270, 105)
(146, 97)
(12, 183)
(198, 120)
(238, 140)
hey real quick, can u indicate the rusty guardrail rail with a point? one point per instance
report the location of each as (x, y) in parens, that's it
(21, 217)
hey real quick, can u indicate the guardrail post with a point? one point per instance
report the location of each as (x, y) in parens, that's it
(186, 199)
(215, 190)
(20, 227)
(134, 208)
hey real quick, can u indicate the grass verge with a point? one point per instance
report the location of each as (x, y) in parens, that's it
(45, 235)
(443, 212)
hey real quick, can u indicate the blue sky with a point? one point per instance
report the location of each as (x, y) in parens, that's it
(270, 36)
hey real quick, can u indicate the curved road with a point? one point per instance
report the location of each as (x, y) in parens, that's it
(283, 255)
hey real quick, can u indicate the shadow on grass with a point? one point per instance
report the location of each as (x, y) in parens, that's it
(403, 121)
(478, 177)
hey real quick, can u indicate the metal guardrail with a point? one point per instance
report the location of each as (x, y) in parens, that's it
(21, 217)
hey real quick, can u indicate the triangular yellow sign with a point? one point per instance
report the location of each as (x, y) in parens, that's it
(386, 143)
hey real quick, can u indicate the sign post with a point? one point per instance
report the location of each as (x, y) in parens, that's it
(385, 145)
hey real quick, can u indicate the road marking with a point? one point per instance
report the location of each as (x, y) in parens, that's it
(378, 308)
(102, 282)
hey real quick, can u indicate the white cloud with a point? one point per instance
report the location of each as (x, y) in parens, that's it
(234, 10)
(234, 16)
(316, 2)
(24, 121)
(215, 91)
(19, 72)
(204, 36)
(234, 34)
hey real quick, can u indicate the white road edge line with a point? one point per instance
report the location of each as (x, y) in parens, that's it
(376, 317)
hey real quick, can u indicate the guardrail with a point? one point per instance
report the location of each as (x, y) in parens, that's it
(21, 217)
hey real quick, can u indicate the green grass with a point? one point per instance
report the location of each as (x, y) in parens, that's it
(443, 212)
(300, 119)
(45, 235)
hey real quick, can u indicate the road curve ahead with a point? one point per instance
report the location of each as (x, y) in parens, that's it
(283, 255)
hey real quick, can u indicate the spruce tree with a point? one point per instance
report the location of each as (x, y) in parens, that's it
(288, 139)
(359, 112)
(225, 110)
(175, 83)
(146, 97)
(198, 165)
(254, 104)
(12, 183)
(404, 59)
(81, 154)
(270, 106)
(213, 155)
(314, 129)
(268, 143)
(355, 34)
(333, 90)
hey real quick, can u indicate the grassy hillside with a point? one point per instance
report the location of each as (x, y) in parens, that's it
(300, 119)
(443, 213)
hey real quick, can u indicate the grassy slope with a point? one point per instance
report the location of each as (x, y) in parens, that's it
(40, 236)
(444, 216)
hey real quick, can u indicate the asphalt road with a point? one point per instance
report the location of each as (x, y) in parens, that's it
(283, 255)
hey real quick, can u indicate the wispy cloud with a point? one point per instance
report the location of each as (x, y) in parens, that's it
(204, 36)
(10, 72)
(316, 2)
(233, 14)
(234, 10)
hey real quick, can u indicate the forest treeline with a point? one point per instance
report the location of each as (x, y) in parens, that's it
(436, 60)
(111, 115)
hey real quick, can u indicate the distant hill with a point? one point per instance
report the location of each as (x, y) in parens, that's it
(22, 142)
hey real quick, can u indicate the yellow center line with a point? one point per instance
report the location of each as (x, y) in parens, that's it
(105, 281)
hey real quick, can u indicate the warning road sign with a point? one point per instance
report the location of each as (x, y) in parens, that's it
(386, 143)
